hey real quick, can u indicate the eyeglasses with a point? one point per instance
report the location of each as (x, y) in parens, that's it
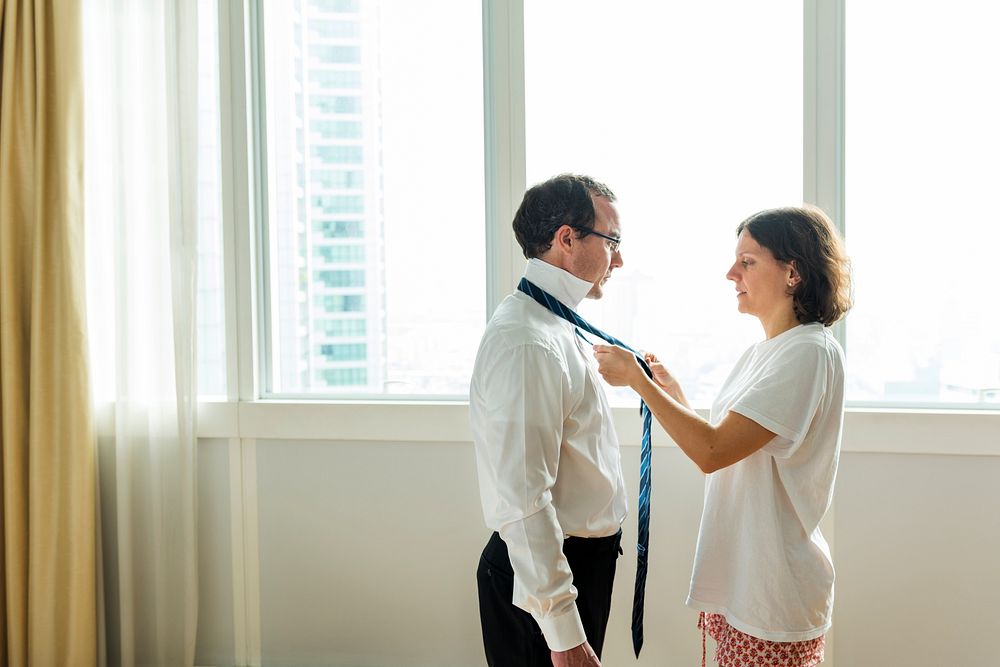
(613, 241)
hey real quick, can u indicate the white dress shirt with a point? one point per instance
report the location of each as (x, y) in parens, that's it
(548, 458)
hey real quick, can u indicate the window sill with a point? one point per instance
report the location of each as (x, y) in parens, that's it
(870, 430)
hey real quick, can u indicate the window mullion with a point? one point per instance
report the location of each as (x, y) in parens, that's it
(503, 106)
(236, 205)
(823, 108)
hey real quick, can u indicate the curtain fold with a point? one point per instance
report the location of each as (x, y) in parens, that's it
(141, 172)
(48, 588)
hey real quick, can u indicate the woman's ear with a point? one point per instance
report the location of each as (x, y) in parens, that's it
(793, 274)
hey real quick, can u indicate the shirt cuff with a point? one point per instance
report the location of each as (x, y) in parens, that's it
(563, 632)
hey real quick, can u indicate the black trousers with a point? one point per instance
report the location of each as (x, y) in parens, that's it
(510, 635)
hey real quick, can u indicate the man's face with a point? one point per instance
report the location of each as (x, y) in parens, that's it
(595, 260)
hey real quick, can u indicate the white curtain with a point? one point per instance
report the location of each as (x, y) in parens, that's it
(140, 89)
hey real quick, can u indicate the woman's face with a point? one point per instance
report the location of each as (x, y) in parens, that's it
(763, 284)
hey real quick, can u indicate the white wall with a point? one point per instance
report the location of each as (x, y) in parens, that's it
(918, 560)
(215, 556)
(367, 548)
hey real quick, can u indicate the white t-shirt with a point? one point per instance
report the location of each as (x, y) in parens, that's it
(761, 559)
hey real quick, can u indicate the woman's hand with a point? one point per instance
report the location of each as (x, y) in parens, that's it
(663, 378)
(618, 366)
(660, 373)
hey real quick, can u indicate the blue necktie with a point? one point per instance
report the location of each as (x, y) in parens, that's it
(645, 457)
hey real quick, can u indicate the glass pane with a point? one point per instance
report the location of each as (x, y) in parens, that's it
(211, 289)
(375, 196)
(921, 170)
(692, 114)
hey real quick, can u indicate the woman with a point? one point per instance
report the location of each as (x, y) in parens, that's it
(762, 576)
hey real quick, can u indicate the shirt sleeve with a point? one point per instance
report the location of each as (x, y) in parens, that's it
(785, 398)
(529, 397)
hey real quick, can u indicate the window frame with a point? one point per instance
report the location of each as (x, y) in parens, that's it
(248, 414)
(244, 177)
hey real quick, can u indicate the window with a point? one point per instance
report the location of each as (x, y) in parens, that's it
(922, 229)
(333, 55)
(341, 278)
(338, 179)
(692, 114)
(339, 204)
(335, 78)
(337, 129)
(343, 377)
(345, 29)
(335, 6)
(343, 352)
(337, 154)
(342, 328)
(335, 229)
(334, 104)
(340, 303)
(372, 121)
(340, 254)
(359, 98)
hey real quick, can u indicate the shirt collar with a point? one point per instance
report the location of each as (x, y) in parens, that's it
(561, 284)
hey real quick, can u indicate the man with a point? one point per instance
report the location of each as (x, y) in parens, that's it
(548, 460)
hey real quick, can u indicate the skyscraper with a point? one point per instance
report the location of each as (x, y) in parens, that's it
(325, 213)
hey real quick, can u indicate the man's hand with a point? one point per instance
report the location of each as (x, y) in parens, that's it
(581, 656)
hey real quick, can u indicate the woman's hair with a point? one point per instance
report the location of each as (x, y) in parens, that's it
(807, 237)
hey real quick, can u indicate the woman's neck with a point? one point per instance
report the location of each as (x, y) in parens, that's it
(779, 323)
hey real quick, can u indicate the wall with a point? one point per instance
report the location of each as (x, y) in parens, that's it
(366, 550)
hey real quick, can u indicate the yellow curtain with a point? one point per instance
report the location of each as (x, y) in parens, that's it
(48, 586)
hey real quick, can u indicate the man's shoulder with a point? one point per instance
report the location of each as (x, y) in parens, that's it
(519, 322)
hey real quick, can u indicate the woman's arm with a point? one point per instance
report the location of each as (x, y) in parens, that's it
(710, 447)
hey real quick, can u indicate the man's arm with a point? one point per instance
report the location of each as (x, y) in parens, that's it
(528, 395)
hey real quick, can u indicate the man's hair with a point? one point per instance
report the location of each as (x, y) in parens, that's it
(807, 237)
(561, 200)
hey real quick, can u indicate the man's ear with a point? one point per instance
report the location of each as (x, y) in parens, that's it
(564, 238)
